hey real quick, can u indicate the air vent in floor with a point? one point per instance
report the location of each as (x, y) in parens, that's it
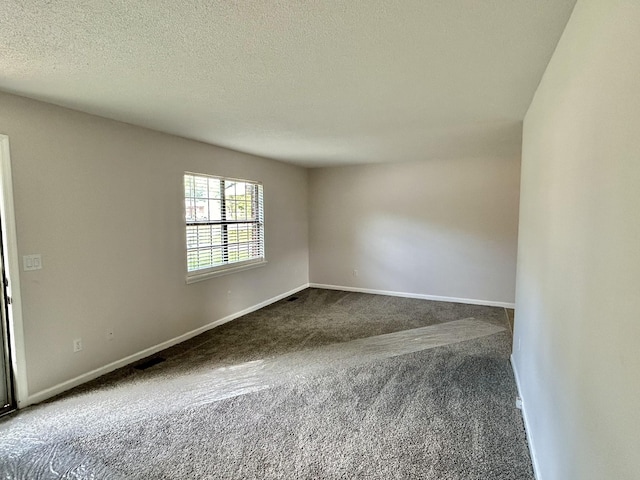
(148, 363)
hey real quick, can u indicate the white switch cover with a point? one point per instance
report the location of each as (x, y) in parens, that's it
(32, 262)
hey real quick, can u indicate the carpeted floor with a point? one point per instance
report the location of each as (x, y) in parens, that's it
(330, 385)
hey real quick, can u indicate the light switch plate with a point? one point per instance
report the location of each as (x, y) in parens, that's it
(32, 262)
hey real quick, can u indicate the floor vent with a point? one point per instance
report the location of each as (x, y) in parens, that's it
(148, 363)
(292, 299)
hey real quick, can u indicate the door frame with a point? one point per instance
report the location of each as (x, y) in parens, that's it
(12, 270)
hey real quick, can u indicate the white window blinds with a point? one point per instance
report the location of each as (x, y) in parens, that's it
(224, 222)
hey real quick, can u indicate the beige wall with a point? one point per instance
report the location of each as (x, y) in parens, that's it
(102, 202)
(440, 228)
(578, 284)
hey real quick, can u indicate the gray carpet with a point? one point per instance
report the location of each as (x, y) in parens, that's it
(330, 385)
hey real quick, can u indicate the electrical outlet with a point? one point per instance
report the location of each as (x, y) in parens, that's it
(355, 272)
(110, 334)
(518, 403)
(77, 345)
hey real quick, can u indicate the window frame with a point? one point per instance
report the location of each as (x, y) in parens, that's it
(201, 274)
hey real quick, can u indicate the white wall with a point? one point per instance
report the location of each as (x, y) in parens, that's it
(102, 202)
(577, 326)
(440, 227)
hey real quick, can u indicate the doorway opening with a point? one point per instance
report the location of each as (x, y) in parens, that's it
(13, 385)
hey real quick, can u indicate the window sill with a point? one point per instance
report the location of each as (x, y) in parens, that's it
(199, 277)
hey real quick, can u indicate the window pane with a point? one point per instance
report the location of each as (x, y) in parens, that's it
(201, 187)
(216, 234)
(244, 233)
(192, 260)
(232, 233)
(233, 253)
(243, 251)
(214, 188)
(204, 236)
(202, 210)
(230, 188)
(217, 256)
(215, 210)
(204, 258)
(188, 186)
(189, 209)
(192, 237)
(232, 209)
(242, 210)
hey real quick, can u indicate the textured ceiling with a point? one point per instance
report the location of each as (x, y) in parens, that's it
(309, 82)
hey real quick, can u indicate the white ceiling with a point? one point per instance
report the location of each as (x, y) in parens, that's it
(308, 82)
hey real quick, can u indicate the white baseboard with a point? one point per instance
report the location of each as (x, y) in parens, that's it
(85, 377)
(527, 428)
(470, 301)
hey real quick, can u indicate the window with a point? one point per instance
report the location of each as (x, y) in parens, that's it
(224, 225)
